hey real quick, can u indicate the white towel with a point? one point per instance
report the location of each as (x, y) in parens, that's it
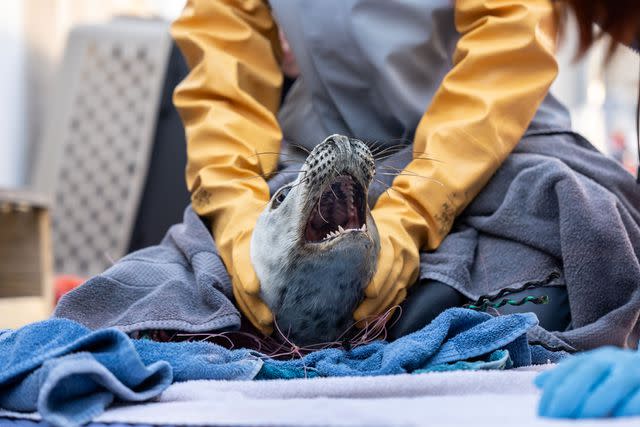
(460, 398)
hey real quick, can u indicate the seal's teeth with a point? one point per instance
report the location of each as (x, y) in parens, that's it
(340, 229)
(364, 227)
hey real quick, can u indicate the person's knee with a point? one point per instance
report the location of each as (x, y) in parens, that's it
(426, 300)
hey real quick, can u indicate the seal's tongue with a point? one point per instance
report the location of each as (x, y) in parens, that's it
(340, 208)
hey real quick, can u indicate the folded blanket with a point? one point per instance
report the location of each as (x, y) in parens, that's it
(70, 374)
(180, 285)
(556, 208)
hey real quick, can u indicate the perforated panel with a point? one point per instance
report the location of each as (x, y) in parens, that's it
(115, 75)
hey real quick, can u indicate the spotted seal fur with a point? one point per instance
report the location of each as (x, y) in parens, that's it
(315, 245)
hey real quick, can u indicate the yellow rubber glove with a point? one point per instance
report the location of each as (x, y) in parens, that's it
(503, 66)
(228, 104)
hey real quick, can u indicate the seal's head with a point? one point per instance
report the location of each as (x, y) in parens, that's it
(315, 246)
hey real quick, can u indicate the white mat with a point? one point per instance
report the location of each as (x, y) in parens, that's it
(462, 398)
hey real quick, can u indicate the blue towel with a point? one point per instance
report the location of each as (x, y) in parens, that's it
(70, 374)
(455, 335)
(499, 360)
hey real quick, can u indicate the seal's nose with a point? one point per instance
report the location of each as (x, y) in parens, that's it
(340, 145)
(345, 153)
(337, 139)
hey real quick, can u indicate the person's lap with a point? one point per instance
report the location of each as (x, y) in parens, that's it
(427, 299)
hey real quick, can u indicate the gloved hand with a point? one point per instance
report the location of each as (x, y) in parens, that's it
(595, 384)
(246, 286)
(400, 229)
(233, 212)
(228, 104)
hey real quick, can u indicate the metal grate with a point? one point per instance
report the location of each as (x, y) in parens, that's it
(102, 141)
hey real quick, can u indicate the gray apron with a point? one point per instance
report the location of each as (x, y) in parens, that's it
(369, 68)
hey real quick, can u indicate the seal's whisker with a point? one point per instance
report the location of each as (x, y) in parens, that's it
(334, 193)
(272, 153)
(387, 152)
(431, 159)
(302, 181)
(415, 176)
(278, 346)
(397, 319)
(320, 213)
(414, 156)
(249, 177)
(384, 184)
(387, 148)
(376, 329)
(300, 146)
(331, 187)
(282, 335)
(294, 350)
(291, 161)
(374, 146)
(269, 176)
(401, 171)
(389, 187)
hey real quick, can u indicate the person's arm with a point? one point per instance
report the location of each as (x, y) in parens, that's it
(503, 67)
(228, 104)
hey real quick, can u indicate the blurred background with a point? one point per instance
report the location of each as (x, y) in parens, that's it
(92, 151)
(33, 34)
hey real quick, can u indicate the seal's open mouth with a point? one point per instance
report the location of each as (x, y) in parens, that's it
(339, 210)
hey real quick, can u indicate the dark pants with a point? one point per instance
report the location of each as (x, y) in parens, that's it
(426, 300)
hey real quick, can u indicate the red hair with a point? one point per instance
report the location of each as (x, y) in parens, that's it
(618, 18)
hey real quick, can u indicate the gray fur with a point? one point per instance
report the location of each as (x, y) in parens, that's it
(313, 288)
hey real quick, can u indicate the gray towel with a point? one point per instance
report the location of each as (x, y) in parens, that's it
(557, 209)
(180, 284)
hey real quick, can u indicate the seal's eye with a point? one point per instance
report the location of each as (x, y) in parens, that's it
(279, 197)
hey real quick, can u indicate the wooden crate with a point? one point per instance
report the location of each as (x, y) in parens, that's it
(26, 288)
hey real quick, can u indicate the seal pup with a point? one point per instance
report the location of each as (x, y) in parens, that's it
(315, 246)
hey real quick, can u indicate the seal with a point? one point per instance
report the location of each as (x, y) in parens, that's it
(315, 246)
